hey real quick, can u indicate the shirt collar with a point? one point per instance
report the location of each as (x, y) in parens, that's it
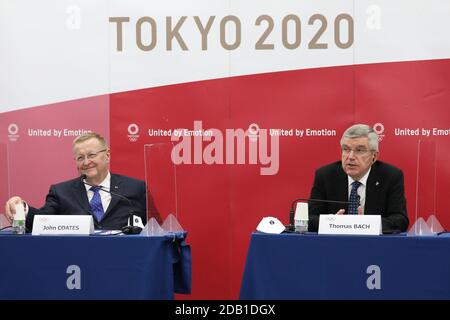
(363, 180)
(106, 184)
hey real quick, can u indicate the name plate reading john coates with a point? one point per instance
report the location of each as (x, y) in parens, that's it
(63, 225)
(350, 224)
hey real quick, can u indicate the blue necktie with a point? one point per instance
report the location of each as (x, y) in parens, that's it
(354, 198)
(96, 204)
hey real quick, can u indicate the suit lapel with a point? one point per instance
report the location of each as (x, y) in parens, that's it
(114, 187)
(372, 191)
(80, 194)
(342, 185)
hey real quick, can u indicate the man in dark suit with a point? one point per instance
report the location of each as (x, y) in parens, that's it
(110, 210)
(369, 185)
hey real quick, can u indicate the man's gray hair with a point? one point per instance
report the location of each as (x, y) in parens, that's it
(359, 131)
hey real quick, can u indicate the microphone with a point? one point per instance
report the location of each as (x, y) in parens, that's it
(291, 226)
(130, 228)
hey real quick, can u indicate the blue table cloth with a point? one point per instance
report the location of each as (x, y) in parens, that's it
(311, 266)
(94, 267)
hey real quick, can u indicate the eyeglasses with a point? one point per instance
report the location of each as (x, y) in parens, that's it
(358, 151)
(90, 156)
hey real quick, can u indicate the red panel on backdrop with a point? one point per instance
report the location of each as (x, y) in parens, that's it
(406, 98)
(38, 155)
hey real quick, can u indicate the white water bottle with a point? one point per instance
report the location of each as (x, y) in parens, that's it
(18, 225)
(301, 217)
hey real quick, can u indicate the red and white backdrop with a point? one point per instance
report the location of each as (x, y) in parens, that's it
(251, 97)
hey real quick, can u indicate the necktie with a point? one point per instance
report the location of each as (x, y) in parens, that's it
(354, 198)
(96, 204)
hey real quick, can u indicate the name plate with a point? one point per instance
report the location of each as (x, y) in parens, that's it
(63, 225)
(350, 224)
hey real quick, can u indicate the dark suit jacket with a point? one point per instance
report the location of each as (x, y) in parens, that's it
(384, 195)
(70, 197)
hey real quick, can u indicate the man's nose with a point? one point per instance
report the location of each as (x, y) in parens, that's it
(85, 160)
(351, 154)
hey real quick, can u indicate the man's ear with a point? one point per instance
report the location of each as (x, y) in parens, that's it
(375, 156)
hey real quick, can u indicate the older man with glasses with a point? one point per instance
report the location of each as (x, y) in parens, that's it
(368, 185)
(108, 197)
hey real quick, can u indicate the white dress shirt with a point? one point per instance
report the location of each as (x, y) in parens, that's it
(361, 189)
(105, 196)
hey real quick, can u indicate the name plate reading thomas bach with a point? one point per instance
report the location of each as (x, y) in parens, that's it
(350, 224)
(63, 225)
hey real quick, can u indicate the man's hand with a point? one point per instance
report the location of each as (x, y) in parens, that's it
(359, 210)
(342, 211)
(10, 207)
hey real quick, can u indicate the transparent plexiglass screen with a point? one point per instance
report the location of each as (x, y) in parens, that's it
(160, 176)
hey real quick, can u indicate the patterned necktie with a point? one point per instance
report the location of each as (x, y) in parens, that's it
(96, 204)
(354, 198)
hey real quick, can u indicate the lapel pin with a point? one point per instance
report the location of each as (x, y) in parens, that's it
(116, 187)
(377, 183)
